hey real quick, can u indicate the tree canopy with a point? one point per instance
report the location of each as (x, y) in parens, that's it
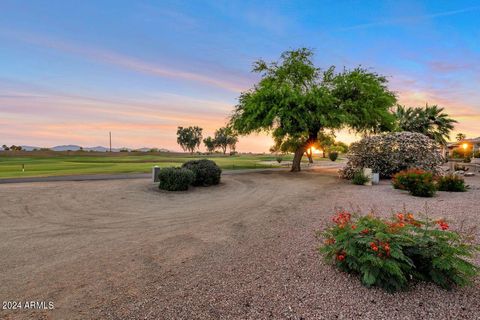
(189, 138)
(460, 136)
(225, 137)
(294, 100)
(430, 121)
(209, 143)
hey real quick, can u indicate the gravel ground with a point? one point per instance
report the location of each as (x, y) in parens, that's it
(242, 250)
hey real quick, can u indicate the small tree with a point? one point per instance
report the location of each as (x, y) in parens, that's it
(232, 142)
(189, 138)
(225, 137)
(294, 101)
(460, 136)
(209, 143)
(325, 140)
(15, 148)
(5, 147)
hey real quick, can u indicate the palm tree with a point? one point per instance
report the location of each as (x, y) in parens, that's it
(431, 121)
(460, 136)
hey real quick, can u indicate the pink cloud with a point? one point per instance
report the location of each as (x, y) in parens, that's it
(127, 62)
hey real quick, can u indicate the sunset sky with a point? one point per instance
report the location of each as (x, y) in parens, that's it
(71, 71)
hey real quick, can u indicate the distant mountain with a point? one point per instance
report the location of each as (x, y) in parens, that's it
(74, 147)
(30, 148)
(100, 149)
(70, 147)
(154, 149)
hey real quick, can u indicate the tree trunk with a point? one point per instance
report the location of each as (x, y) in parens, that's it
(297, 158)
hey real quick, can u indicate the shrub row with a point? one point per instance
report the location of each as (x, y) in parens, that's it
(196, 172)
(391, 253)
(422, 183)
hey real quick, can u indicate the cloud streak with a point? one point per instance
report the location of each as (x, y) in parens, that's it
(124, 61)
(409, 19)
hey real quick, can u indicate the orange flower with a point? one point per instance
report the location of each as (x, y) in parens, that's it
(354, 227)
(365, 231)
(330, 241)
(342, 218)
(341, 255)
(373, 246)
(400, 216)
(443, 225)
(410, 216)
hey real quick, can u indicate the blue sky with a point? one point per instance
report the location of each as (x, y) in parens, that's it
(70, 71)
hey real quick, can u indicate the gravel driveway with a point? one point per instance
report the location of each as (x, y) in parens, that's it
(242, 250)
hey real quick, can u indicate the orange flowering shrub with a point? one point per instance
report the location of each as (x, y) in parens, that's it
(419, 183)
(389, 253)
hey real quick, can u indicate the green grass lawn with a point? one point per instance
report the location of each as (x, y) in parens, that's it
(41, 164)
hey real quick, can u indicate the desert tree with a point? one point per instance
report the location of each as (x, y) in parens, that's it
(325, 140)
(431, 121)
(14, 148)
(294, 101)
(189, 138)
(209, 143)
(225, 137)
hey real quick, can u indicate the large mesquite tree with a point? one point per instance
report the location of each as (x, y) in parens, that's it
(294, 101)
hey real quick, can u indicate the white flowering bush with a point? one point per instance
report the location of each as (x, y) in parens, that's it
(390, 153)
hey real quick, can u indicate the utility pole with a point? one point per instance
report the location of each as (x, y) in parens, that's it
(110, 133)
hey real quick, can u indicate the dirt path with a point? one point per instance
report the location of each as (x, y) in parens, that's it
(243, 249)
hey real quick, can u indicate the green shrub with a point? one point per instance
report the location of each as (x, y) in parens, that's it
(279, 159)
(333, 155)
(391, 253)
(476, 154)
(467, 159)
(359, 178)
(206, 172)
(457, 154)
(175, 179)
(418, 182)
(452, 183)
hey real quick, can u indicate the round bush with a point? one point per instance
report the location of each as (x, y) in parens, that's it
(451, 183)
(333, 155)
(418, 182)
(206, 172)
(175, 179)
(390, 153)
